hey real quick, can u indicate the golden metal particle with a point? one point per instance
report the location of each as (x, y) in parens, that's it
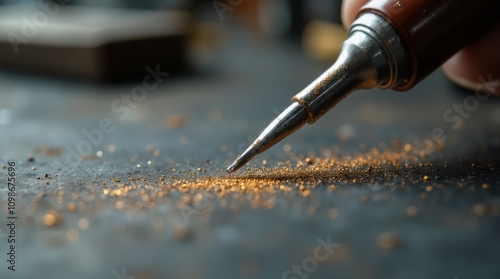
(309, 161)
(485, 186)
(119, 205)
(198, 198)
(72, 207)
(388, 240)
(52, 218)
(407, 147)
(426, 178)
(306, 193)
(428, 188)
(187, 199)
(332, 188)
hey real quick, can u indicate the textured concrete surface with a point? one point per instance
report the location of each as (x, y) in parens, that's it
(454, 233)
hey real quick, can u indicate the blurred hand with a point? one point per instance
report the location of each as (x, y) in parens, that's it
(480, 59)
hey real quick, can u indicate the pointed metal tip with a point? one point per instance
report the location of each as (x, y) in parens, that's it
(242, 159)
(230, 169)
(294, 117)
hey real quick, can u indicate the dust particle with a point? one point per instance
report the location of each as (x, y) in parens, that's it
(73, 234)
(287, 148)
(411, 211)
(110, 148)
(83, 224)
(333, 213)
(250, 267)
(89, 157)
(182, 232)
(175, 121)
(364, 199)
(157, 224)
(481, 209)
(388, 240)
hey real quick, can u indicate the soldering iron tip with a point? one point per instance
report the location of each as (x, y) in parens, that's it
(242, 159)
(290, 120)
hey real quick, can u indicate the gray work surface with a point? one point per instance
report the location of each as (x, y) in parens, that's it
(454, 234)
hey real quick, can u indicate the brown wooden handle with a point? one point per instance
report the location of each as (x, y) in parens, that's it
(434, 30)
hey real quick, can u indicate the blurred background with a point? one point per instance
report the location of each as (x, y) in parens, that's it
(91, 39)
(100, 93)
